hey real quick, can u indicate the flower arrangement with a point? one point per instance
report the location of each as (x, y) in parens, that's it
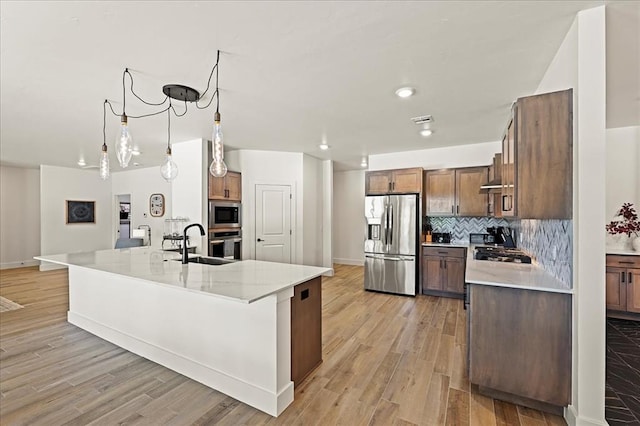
(629, 225)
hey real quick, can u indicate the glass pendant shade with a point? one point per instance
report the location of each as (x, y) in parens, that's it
(104, 163)
(169, 169)
(217, 168)
(124, 143)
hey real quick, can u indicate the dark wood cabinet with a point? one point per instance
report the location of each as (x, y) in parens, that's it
(520, 345)
(456, 192)
(443, 271)
(537, 157)
(228, 187)
(306, 329)
(495, 194)
(623, 286)
(400, 181)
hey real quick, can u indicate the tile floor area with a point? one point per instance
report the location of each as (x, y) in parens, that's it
(622, 398)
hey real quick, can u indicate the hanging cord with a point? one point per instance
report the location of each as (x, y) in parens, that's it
(104, 125)
(169, 128)
(174, 109)
(136, 95)
(137, 116)
(216, 93)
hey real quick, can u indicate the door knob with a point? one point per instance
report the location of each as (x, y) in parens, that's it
(260, 239)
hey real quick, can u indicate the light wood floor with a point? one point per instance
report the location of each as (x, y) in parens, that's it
(388, 360)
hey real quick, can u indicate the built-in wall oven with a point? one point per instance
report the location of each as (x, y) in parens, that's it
(224, 215)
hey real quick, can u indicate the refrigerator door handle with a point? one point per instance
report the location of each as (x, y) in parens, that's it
(390, 223)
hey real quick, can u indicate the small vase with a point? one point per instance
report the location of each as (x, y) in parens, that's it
(636, 244)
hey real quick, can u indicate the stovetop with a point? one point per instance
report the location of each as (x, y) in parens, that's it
(501, 254)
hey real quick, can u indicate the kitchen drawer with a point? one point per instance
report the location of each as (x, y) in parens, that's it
(622, 261)
(443, 251)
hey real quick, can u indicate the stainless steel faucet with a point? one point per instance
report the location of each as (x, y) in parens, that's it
(184, 239)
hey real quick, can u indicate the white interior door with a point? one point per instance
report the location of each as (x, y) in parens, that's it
(273, 223)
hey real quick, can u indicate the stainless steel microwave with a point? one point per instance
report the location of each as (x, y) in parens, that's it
(225, 215)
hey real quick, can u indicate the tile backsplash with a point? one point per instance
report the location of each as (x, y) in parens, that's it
(549, 242)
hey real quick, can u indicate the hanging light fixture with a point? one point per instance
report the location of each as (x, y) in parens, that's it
(169, 169)
(124, 142)
(104, 156)
(218, 168)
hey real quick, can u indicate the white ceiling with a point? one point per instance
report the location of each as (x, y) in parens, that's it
(292, 74)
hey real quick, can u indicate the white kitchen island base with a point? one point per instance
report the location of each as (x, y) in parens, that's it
(241, 349)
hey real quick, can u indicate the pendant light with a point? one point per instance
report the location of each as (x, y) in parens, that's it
(104, 156)
(124, 142)
(218, 168)
(169, 169)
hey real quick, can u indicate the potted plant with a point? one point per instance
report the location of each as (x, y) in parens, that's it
(628, 225)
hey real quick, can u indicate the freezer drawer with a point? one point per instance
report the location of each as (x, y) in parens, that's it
(390, 274)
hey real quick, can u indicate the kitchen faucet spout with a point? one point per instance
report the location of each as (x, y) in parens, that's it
(184, 240)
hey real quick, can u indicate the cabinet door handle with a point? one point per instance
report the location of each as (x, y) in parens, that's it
(389, 186)
(445, 264)
(504, 203)
(458, 209)
(393, 186)
(622, 274)
(452, 209)
(630, 280)
(626, 262)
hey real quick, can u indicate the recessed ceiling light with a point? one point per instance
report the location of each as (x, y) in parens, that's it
(426, 132)
(363, 163)
(81, 162)
(136, 164)
(405, 92)
(323, 146)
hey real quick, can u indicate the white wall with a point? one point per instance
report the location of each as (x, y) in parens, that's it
(58, 184)
(327, 213)
(189, 191)
(348, 214)
(19, 216)
(312, 211)
(479, 154)
(140, 184)
(580, 64)
(275, 168)
(623, 169)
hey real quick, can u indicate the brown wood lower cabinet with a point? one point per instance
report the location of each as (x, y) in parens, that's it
(443, 271)
(623, 286)
(520, 345)
(306, 329)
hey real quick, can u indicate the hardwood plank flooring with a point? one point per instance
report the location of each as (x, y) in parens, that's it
(388, 360)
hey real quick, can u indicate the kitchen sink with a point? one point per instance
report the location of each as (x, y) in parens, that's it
(208, 260)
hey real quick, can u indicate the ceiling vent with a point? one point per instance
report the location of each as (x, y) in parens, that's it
(423, 119)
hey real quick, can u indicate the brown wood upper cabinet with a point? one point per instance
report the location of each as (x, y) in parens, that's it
(537, 152)
(227, 188)
(623, 286)
(455, 192)
(400, 181)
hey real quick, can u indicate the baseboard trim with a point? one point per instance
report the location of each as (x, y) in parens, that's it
(573, 418)
(19, 264)
(353, 262)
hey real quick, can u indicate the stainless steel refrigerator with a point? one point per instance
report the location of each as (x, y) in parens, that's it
(392, 242)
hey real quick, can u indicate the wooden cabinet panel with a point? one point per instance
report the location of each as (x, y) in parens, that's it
(454, 275)
(616, 292)
(520, 343)
(544, 182)
(228, 187)
(507, 199)
(443, 251)
(633, 290)
(431, 273)
(469, 200)
(407, 181)
(622, 261)
(440, 192)
(401, 181)
(306, 329)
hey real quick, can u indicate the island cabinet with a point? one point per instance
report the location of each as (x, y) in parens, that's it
(537, 157)
(306, 329)
(443, 271)
(520, 345)
(228, 187)
(623, 286)
(456, 192)
(400, 181)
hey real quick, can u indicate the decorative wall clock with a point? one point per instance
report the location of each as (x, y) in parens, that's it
(156, 205)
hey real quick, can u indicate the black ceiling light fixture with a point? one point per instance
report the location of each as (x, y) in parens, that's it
(179, 92)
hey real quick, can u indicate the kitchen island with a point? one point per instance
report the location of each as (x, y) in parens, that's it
(227, 326)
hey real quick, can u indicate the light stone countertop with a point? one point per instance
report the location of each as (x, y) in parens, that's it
(244, 281)
(625, 252)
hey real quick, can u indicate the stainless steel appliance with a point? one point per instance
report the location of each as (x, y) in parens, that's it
(500, 254)
(225, 215)
(391, 243)
(226, 244)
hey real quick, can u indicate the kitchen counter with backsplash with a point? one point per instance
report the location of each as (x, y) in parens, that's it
(624, 252)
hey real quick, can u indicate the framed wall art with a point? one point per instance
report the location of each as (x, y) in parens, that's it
(81, 212)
